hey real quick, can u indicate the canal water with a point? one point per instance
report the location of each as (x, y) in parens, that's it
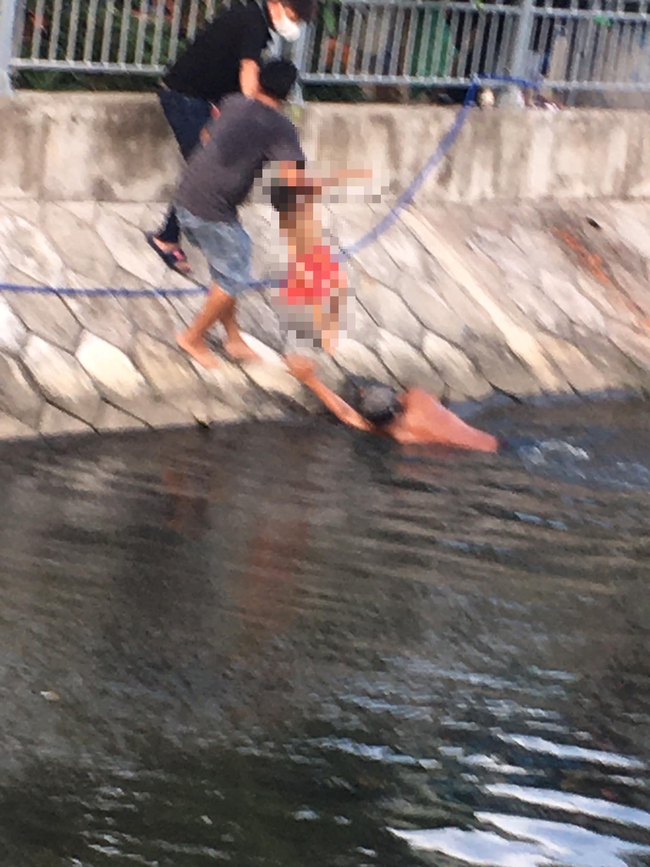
(288, 644)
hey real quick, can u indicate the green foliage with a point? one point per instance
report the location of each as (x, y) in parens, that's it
(329, 11)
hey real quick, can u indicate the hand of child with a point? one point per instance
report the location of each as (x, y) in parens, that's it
(302, 368)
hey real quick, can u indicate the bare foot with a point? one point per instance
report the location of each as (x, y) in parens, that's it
(240, 351)
(199, 351)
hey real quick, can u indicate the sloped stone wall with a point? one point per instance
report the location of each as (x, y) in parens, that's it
(527, 296)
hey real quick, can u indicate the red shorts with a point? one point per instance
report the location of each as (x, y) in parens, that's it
(312, 277)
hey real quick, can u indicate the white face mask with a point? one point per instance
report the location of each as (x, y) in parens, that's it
(287, 29)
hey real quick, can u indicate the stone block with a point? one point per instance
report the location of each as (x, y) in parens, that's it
(376, 263)
(435, 314)
(269, 411)
(358, 325)
(220, 413)
(257, 317)
(406, 251)
(275, 379)
(28, 209)
(228, 384)
(62, 379)
(48, 316)
(629, 225)
(358, 360)
(271, 374)
(55, 422)
(112, 371)
(504, 253)
(579, 309)
(135, 213)
(502, 369)
(126, 280)
(29, 250)
(541, 248)
(12, 429)
(78, 245)
(537, 307)
(455, 369)
(389, 311)
(476, 307)
(612, 302)
(13, 333)
(186, 307)
(111, 419)
(85, 211)
(614, 363)
(579, 372)
(130, 249)
(152, 316)
(511, 328)
(167, 371)
(634, 346)
(17, 396)
(105, 317)
(408, 366)
(159, 413)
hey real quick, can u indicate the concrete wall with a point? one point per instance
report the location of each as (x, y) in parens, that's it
(117, 148)
(521, 268)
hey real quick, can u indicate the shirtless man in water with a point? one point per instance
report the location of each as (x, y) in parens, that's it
(412, 417)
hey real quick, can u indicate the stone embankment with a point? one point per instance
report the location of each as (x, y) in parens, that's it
(520, 269)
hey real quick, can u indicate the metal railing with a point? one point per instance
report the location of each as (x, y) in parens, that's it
(572, 44)
(115, 36)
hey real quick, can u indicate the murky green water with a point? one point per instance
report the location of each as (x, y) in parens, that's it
(287, 645)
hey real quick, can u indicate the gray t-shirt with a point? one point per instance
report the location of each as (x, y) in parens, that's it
(220, 175)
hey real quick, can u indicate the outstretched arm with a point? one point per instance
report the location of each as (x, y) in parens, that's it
(303, 369)
(295, 175)
(340, 178)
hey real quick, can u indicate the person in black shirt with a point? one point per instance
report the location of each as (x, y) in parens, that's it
(224, 59)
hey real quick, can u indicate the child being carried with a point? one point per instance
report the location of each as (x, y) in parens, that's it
(316, 283)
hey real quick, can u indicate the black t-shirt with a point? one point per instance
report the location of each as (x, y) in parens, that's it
(209, 68)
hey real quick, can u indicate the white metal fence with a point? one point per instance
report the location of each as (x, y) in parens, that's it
(573, 44)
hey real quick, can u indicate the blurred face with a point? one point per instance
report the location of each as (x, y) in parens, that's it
(285, 20)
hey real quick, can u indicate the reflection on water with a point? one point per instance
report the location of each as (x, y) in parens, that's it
(284, 644)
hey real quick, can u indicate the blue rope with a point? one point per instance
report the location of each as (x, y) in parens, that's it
(102, 292)
(404, 200)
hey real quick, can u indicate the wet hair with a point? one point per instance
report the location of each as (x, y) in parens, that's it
(277, 77)
(376, 402)
(304, 9)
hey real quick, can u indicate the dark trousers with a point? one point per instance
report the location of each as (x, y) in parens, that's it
(186, 116)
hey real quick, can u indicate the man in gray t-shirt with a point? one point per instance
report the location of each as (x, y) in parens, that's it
(248, 134)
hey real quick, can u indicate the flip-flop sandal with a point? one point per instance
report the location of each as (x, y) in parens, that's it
(171, 258)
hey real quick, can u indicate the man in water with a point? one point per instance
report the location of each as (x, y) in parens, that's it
(219, 177)
(224, 59)
(410, 418)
